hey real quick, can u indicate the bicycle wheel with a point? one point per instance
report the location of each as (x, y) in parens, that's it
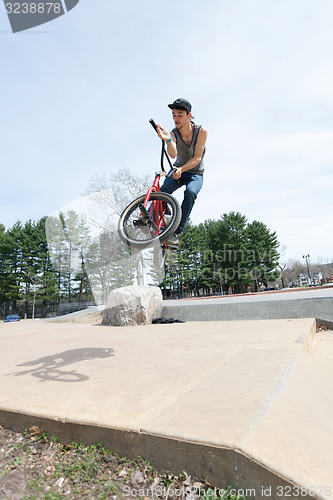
(164, 216)
(160, 253)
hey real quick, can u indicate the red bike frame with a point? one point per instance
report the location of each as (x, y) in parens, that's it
(157, 208)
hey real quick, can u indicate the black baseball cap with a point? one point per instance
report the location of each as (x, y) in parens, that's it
(181, 103)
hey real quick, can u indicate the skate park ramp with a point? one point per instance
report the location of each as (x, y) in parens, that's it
(247, 403)
(316, 302)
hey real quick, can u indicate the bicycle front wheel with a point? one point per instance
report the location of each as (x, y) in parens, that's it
(140, 231)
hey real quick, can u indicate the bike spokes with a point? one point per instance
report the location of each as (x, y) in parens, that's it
(145, 221)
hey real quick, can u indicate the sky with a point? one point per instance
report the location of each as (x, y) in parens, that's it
(77, 94)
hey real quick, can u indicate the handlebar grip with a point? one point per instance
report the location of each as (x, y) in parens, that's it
(153, 124)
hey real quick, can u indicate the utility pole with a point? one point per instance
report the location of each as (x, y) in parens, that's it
(34, 301)
(307, 263)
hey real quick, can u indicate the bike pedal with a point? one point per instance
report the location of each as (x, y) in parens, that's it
(139, 222)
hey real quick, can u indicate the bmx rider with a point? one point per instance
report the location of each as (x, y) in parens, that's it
(187, 143)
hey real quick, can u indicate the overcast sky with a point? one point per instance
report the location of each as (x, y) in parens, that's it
(77, 94)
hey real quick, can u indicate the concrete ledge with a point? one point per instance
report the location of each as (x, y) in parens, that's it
(173, 455)
(230, 308)
(74, 315)
(234, 401)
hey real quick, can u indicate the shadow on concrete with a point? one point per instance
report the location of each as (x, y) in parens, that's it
(49, 366)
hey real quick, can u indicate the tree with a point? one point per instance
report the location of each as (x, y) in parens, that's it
(68, 240)
(222, 256)
(11, 268)
(47, 276)
(25, 271)
(262, 254)
(31, 263)
(114, 192)
(57, 249)
(226, 251)
(189, 260)
(109, 265)
(111, 194)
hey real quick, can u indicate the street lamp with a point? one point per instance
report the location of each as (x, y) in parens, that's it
(307, 263)
(33, 279)
(178, 282)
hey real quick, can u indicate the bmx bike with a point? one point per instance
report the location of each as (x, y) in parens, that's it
(151, 218)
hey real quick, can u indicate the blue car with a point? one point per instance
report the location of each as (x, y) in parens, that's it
(12, 317)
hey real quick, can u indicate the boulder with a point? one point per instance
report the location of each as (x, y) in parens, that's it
(132, 305)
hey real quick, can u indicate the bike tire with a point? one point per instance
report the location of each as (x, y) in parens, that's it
(146, 236)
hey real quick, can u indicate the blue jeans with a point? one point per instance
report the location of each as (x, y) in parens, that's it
(193, 183)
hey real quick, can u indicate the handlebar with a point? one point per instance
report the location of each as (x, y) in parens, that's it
(163, 152)
(153, 124)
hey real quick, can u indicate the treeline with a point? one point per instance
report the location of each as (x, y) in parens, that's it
(54, 265)
(224, 256)
(23, 256)
(57, 265)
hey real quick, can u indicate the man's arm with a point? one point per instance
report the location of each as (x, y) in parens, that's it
(198, 153)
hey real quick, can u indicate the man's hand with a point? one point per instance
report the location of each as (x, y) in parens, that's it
(177, 174)
(163, 133)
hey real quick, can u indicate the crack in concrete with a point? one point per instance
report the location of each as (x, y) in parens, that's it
(278, 387)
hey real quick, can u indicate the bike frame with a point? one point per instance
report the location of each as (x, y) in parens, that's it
(157, 208)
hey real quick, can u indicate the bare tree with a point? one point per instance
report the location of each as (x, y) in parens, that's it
(117, 190)
(110, 195)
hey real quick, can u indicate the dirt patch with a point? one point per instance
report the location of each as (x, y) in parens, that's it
(34, 466)
(322, 328)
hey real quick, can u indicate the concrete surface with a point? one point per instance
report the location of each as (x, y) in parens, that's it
(76, 314)
(310, 302)
(242, 403)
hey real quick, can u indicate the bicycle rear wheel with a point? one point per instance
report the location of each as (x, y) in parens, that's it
(164, 216)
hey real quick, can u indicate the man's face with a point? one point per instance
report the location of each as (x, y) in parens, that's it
(180, 117)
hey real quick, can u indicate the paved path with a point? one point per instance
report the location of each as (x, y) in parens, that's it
(242, 403)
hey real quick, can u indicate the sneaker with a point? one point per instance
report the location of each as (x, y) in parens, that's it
(173, 239)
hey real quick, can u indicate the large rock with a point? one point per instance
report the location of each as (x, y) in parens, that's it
(132, 305)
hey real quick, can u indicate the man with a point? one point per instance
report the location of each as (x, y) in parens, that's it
(187, 143)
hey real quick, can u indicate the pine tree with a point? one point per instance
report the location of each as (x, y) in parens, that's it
(12, 265)
(262, 254)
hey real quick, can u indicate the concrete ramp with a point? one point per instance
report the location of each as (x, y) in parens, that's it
(283, 304)
(246, 403)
